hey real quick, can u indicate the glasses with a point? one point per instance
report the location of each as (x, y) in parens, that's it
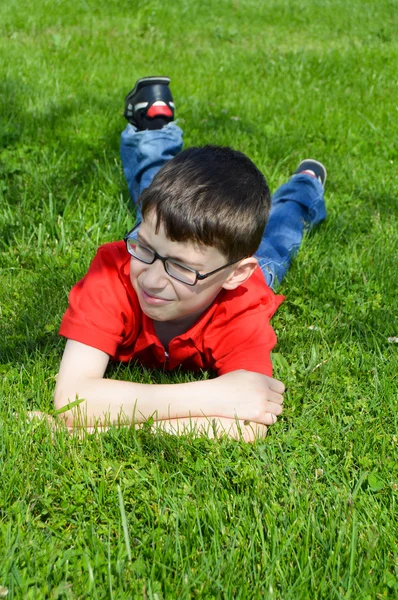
(174, 268)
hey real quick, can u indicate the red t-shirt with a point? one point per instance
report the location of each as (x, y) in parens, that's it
(233, 333)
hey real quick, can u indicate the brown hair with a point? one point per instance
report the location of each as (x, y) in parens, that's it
(214, 196)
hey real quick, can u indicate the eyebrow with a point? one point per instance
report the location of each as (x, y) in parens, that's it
(177, 258)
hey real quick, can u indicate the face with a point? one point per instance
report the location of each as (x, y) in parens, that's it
(163, 298)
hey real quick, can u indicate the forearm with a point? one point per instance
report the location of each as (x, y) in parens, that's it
(214, 427)
(106, 401)
(240, 394)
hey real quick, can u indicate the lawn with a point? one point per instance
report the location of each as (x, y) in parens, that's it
(308, 513)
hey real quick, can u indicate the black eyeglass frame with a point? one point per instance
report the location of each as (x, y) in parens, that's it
(164, 259)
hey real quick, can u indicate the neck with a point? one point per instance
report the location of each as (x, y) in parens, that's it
(167, 330)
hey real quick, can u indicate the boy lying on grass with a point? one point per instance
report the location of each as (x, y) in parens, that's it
(189, 286)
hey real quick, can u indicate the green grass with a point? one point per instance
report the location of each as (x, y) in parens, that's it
(311, 512)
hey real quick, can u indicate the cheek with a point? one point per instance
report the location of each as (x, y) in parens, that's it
(200, 297)
(185, 294)
(136, 268)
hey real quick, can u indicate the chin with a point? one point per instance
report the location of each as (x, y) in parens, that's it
(157, 314)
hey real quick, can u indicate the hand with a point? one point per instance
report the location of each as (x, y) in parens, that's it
(248, 396)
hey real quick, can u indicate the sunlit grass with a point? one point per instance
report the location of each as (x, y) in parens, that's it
(311, 511)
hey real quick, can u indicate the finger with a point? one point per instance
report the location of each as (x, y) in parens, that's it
(276, 385)
(259, 431)
(274, 397)
(274, 408)
(267, 418)
(272, 418)
(254, 431)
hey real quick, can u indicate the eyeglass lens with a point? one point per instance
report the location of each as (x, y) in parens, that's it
(174, 269)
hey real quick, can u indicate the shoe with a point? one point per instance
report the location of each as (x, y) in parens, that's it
(316, 167)
(150, 104)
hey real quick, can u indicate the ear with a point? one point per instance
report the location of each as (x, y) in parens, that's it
(241, 273)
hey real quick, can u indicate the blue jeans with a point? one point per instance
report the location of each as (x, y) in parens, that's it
(296, 206)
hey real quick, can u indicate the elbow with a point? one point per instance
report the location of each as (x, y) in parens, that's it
(62, 398)
(59, 401)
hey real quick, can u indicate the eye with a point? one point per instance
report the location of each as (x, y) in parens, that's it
(140, 251)
(144, 250)
(180, 272)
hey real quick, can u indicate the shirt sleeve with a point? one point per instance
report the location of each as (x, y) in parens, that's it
(98, 303)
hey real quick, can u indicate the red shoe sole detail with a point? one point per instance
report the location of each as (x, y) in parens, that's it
(159, 111)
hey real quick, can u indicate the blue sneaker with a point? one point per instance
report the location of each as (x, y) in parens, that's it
(150, 104)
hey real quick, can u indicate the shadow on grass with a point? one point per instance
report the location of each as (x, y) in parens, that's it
(31, 310)
(384, 203)
(45, 148)
(21, 125)
(45, 157)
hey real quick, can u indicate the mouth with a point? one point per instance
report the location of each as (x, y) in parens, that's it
(154, 300)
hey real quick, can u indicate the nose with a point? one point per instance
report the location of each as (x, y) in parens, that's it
(155, 276)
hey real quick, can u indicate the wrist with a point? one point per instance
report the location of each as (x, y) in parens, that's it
(184, 400)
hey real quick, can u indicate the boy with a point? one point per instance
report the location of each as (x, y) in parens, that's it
(184, 288)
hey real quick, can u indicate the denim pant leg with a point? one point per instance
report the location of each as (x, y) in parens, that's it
(143, 153)
(296, 207)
